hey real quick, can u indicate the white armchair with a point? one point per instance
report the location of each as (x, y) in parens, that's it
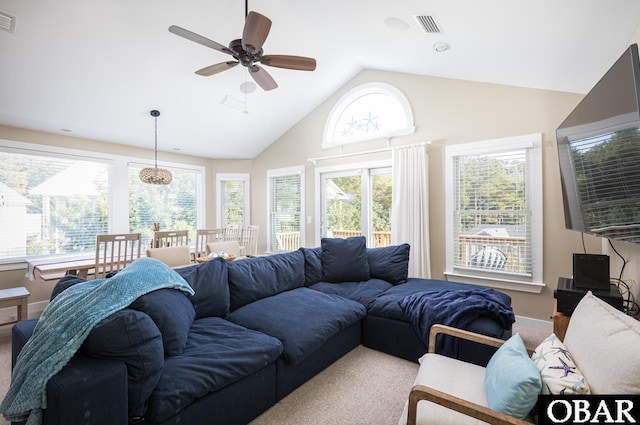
(602, 344)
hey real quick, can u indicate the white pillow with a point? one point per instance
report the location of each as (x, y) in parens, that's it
(559, 373)
(604, 343)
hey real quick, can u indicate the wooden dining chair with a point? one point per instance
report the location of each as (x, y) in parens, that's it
(172, 256)
(164, 238)
(115, 251)
(204, 236)
(249, 243)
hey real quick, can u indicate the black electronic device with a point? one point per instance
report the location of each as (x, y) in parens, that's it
(599, 152)
(568, 296)
(591, 271)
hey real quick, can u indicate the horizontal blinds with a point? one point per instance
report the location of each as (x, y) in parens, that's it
(173, 206)
(493, 212)
(285, 209)
(51, 205)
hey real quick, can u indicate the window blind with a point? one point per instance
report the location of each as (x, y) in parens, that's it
(51, 204)
(492, 211)
(174, 206)
(285, 197)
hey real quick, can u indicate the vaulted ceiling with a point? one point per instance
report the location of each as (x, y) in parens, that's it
(95, 69)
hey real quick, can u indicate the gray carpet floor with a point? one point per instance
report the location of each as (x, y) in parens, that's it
(363, 387)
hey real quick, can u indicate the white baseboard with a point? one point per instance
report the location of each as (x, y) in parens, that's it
(542, 325)
(10, 314)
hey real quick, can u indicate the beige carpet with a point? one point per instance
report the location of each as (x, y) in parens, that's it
(363, 387)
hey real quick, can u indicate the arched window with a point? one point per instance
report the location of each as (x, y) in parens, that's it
(369, 111)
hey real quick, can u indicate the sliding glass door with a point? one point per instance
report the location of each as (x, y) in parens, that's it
(357, 202)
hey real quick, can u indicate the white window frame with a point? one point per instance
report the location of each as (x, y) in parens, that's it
(280, 172)
(353, 95)
(222, 177)
(118, 183)
(533, 284)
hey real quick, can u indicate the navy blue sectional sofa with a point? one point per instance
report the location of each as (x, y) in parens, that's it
(255, 330)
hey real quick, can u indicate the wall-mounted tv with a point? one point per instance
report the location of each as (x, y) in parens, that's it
(599, 155)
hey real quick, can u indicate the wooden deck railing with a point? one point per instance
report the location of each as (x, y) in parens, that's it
(514, 249)
(290, 241)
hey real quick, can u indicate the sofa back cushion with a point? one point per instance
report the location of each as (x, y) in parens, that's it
(312, 265)
(604, 342)
(210, 282)
(344, 260)
(132, 337)
(390, 263)
(252, 279)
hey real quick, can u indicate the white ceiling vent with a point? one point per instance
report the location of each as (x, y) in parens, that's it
(428, 24)
(7, 22)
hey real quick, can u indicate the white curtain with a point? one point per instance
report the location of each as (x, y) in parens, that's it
(410, 206)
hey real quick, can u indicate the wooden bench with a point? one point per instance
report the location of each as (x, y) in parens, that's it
(15, 297)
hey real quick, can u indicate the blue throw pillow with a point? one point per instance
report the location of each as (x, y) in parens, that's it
(210, 281)
(173, 314)
(512, 381)
(390, 263)
(312, 265)
(345, 260)
(132, 337)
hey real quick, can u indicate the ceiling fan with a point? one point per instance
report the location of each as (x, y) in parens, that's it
(248, 51)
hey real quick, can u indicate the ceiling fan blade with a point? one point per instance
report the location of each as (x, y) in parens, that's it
(262, 77)
(256, 29)
(300, 63)
(214, 69)
(192, 36)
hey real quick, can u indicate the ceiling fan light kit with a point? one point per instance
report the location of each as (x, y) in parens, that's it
(247, 51)
(155, 175)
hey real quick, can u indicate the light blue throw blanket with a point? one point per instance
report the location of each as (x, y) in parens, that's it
(65, 324)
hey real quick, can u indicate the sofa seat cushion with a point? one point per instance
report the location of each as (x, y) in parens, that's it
(302, 319)
(461, 379)
(388, 303)
(603, 343)
(218, 353)
(254, 278)
(363, 292)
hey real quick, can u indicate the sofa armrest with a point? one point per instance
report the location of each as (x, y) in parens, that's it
(77, 393)
(482, 413)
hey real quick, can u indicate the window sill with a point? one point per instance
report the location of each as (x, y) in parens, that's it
(513, 285)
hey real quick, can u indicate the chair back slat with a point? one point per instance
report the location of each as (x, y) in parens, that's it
(115, 251)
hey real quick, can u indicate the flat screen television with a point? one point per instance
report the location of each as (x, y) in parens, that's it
(599, 155)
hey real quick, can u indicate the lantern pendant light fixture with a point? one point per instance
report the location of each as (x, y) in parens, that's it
(155, 175)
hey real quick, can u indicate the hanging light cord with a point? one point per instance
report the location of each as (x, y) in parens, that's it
(156, 144)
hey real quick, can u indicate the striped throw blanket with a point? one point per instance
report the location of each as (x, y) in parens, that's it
(65, 324)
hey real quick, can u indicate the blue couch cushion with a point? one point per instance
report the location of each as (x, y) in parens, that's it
(362, 292)
(254, 278)
(344, 260)
(302, 319)
(132, 337)
(64, 283)
(312, 265)
(218, 353)
(388, 303)
(172, 312)
(210, 282)
(390, 263)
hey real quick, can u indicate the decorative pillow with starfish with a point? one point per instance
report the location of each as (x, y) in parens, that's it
(560, 376)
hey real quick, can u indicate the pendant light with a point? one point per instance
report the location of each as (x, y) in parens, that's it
(155, 175)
